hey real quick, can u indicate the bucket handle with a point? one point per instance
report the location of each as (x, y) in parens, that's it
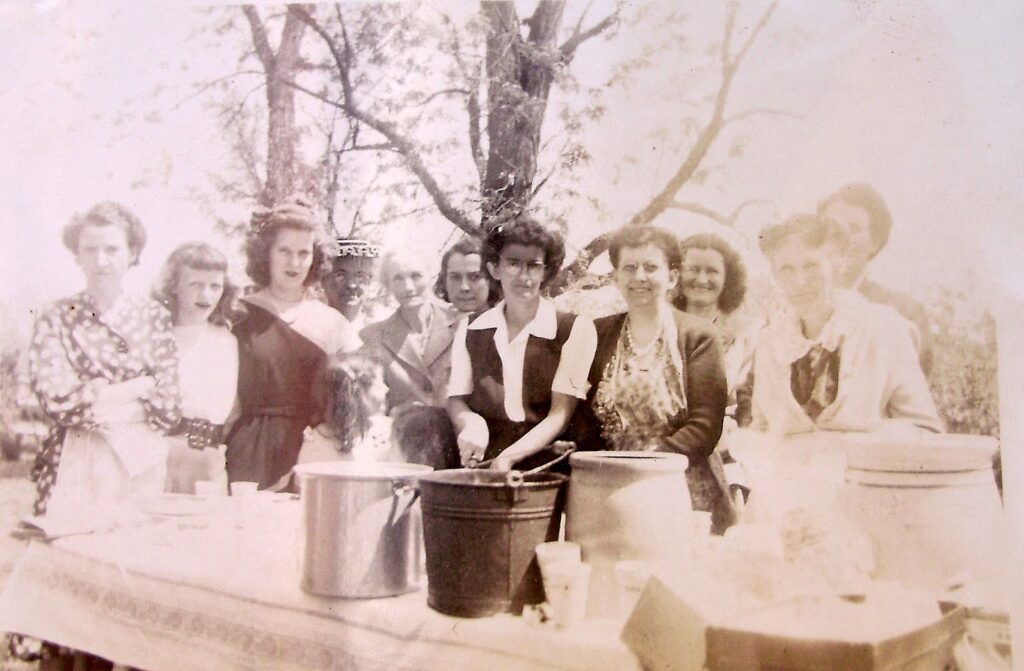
(399, 490)
(515, 479)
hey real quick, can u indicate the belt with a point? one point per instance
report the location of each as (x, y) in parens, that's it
(201, 433)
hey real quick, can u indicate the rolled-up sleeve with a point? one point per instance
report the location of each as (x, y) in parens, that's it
(460, 381)
(577, 356)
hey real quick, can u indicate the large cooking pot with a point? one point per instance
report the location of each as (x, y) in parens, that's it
(929, 504)
(362, 526)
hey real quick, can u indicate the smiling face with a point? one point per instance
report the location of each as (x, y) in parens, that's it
(643, 276)
(291, 257)
(703, 277)
(407, 281)
(466, 282)
(197, 293)
(520, 271)
(347, 285)
(103, 254)
(856, 223)
(807, 276)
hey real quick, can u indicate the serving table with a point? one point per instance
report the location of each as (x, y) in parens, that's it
(221, 591)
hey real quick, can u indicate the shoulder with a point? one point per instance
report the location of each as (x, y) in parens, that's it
(693, 327)
(376, 329)
(900, 302)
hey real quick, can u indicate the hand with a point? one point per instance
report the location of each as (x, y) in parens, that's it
(503, 464)
(472, 440)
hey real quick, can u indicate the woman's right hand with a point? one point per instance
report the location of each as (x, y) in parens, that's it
(472, 439)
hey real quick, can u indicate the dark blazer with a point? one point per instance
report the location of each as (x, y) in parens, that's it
(409, 376)
(706, 397)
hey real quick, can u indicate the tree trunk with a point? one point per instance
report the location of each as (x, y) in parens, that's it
(282, 135)
(520, 73)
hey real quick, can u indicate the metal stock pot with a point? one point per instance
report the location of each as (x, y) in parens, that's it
(362, 527)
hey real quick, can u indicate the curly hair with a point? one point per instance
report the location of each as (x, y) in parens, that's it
(734, 287)
(197, 256)
(639, 236)
(351, 379)
(812, 230)
(867, 198)
(293, 214)
(107, 213)
(526, 231)
(465, 247)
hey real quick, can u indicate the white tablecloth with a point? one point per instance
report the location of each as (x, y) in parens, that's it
(218, 592)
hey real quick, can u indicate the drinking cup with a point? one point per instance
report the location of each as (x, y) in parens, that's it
(567, 586)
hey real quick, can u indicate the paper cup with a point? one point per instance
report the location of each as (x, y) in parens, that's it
(567, 585)
(632, 577)
(210, 488)
(244, 489)
(557, 551)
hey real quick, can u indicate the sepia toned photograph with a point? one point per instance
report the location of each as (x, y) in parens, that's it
(515, 334)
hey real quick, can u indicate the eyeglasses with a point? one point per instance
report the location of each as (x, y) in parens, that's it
(517, 266)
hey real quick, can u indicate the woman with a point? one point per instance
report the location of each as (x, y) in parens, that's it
(195, 288)
(284, 342)
(838, 361)
(657, 381)
(499, 412)
(103, 365)
(713, 282)
(463, 280)
(414, 343)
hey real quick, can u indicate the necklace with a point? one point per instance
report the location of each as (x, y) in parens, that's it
(644, 358)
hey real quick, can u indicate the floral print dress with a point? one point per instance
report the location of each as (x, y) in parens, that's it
(76, 350)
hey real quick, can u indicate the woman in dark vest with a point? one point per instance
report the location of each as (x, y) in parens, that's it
(519, 368)
(657, 381)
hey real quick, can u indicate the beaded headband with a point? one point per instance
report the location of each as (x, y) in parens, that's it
(357, 248)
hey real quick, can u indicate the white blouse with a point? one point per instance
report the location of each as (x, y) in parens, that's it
(207, 371)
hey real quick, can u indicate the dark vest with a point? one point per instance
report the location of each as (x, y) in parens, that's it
(488, 397)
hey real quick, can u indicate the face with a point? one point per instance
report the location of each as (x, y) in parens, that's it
(643, 276)
(197, 293)
(466, 282)
(103, 253)
(291, 256)
(349, 281)
(703, 277)
(520, 270)
(857, 223)
(407, 282)
(807, 276)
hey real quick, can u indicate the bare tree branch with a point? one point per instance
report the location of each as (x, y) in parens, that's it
(210, 84)
(760, 111)
(569, 47)
(724, 219)
(446, 92)
(259, 38)
(403, 145)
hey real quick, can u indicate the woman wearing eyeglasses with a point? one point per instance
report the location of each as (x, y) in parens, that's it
(518, 369)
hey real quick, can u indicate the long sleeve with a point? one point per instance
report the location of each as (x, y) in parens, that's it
(910, 398)
(62, 394)
(162, 403)
(706, 394)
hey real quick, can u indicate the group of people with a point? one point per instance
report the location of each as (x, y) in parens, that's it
(475, 366)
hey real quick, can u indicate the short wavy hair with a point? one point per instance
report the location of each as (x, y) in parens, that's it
(867, 198)
(107, 213)
(812, 230)
(527, 231)
(633, 236)
(734, 286)
(293, 214)
(465, 246)
(197, 256)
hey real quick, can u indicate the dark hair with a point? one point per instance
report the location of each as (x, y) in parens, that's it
(350, 377)
(868, 199)
(198, 256)
(638, 236)
(465, 247)
(524, 230)
(294, 214)
(107, 213)
(812, 230)
(424, 435)
(734, 286)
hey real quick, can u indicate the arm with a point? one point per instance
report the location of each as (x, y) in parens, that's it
(706, 396)
(55, 382)
(910, 400)
(540, 436)
(472, 434)
(162, 403)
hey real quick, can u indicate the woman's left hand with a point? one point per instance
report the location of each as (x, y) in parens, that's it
(503, 463)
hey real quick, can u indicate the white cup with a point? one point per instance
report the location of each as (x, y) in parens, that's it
(244, 489)
(557, 551)
(210, 488)
(566, 585)
(632, 577)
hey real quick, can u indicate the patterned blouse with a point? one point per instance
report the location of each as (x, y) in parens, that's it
(74, 346)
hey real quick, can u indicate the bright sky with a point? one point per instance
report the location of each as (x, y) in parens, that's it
(920, 98)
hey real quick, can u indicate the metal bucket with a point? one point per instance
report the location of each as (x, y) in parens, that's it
(480, 528)
(362, 528)
(930, 506)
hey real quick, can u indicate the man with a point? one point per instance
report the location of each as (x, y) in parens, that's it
(463, 281)
(349, 280)
(860, 209)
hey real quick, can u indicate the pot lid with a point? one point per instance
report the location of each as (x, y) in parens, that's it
(934, 453)
(354, 470)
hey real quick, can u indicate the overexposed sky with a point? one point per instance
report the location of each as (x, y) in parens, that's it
(920, 98)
